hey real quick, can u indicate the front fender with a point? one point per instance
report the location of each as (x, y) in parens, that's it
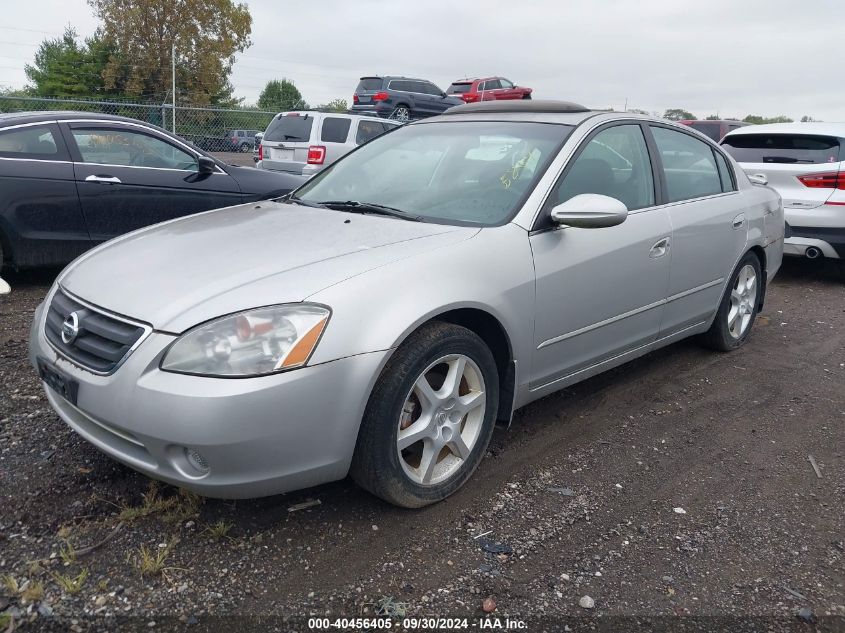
(493, 271)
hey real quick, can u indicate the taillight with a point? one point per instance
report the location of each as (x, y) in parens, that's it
(316, 155)
(260, 152)
(381, 96)
(827, 180)
(354, 98)
(470, 97)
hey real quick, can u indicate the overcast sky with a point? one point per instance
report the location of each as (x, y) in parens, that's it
(765, 57)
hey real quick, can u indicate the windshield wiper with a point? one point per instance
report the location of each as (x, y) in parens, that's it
(354, 206)
(289, 197)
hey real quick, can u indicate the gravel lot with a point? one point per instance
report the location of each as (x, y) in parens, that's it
(678, 485)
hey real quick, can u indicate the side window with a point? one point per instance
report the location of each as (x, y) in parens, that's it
(368, 130)
(688, 163)
(112, 146)
(614, 163)
(506, 84)
(493, 84)
(241, 133)
(33, 142)
(725, 172)
(335, 129)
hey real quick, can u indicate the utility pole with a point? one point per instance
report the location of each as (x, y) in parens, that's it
(173, 83)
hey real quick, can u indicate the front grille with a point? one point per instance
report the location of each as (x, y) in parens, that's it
(102, 341)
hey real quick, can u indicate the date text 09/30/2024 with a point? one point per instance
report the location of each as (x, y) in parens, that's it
(417, 624)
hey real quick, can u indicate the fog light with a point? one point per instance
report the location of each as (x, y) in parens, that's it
(196, 459)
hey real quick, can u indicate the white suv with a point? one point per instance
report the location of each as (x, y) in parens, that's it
(805, 163)
(307, 142)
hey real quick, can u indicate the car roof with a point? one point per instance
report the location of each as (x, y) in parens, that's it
(814, 127)
(16, 118)
(345, 115)
(730, 121)
(545, 111)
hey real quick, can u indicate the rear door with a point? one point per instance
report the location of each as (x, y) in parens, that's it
(709, 226)
(792, 163)
(40, 214)
(129, 176)
(488, 89)
(287, 140)
(335, 134)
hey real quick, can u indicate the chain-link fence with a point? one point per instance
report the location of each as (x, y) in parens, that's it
(212, 129)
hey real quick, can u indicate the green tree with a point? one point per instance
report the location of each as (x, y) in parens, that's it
(713, 117)
(335, 105)
(759, 120)
(807, 119)
(206, 34)
(280, 95)
(678, 114)
(64, 67)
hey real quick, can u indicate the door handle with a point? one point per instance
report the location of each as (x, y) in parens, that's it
(109, 180)
(659, 249)
(739, 221)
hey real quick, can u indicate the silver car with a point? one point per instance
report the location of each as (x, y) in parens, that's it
(381, 319)
(307, 142)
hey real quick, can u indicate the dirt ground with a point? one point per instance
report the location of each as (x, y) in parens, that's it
(675, 492)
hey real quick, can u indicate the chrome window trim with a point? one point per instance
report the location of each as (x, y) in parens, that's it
(148, 329)
(155, 132)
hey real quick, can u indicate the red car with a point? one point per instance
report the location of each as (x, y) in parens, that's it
(487, 89)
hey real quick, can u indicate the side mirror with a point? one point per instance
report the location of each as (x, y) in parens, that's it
(4, 287)
(758, 179)
(590, 211)
(206, 165)
(443, 95)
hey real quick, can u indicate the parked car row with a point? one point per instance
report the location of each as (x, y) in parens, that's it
(70, 180)
(407, 98)
(512, 248)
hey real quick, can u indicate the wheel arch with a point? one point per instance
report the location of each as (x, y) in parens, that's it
(494, 334)
(760, 252)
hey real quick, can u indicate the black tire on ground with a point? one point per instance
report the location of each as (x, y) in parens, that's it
(527, 96)
(376, 463)
(402, 108)
(719, 337)
(245, 147)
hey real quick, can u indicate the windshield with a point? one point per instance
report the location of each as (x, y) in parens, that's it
(455, 89)
(467, 172)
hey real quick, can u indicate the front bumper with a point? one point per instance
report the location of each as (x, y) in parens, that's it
(258, 436)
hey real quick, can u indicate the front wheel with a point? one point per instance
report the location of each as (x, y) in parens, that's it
(430, 417)
(738, 308)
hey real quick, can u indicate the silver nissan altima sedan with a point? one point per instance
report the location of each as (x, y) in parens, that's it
(379, 320)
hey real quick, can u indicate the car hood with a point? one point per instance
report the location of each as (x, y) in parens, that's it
(180, 273)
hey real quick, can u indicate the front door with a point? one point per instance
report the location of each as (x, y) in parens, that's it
(600, 292)
(129, 177)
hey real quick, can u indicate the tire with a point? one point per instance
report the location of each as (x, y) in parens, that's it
(437, 430)
(738, 308)
(402, 113)
(526, 96)
(245, 147)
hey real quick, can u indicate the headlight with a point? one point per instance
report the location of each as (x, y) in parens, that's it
(251, 343)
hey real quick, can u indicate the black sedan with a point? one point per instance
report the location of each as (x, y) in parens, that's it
(70, 180)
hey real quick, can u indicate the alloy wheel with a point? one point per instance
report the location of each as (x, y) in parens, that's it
(743, 298)
(441, 419)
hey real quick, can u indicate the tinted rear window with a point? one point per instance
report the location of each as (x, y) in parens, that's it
(783, 148)
(713, 130)
(457, 89)
(335, 129)
(290, 128)
(369, 84)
